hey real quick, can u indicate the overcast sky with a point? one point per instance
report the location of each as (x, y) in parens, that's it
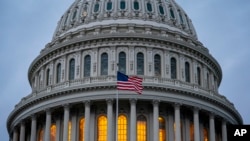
(26, 26)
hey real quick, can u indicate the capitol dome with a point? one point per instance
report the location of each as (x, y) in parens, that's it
(74, 78)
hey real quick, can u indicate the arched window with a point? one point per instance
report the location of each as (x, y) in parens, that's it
(172, 13)
(66, 19)
(141, 128)
(122, 4)
(162, 129)
(109, 5)
(136, 5)
(47, 77)
(122, 62)
(87, 66)
(208, 81)
(58, 72)
(102, 128)
(199, 75)
(140, 63)
(96, 7)
(72, 69)
(122, 128)
(157, 65)
(187, 72)
(81, 129)
(53, 132)
(161, 9)
(40, 135)
(173, 68)
(181, 17)
(69, 130)
(104, 64)
(74, 15)
(149, 7)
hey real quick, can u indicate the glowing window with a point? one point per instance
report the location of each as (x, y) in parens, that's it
(53, 132)
(157, 65)
(87, 65)
(136, 5)
(58, 72)
(199, 75)
(122, 62)
(205, 134)
(40, 135)
(140, 63)
(187, 72)
(69, 130)
(81, 129)
(102, 128)
(191, 131)
(161, 9)
(141, 128)
(122, 128)
(162, 129)
(104, 64)
(173, 68)
(72, 69)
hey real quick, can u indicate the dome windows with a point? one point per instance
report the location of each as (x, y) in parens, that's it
(104, 64)
(140, 63)
(149, 7)
(157, 65)
(136, 5)
(109, 6)
(187, 72)
(74, 15)
(96, 7)
(172, 16)
(122, 5)
(122, 62)
(58, 72)
(173, 68)
(161, 10)
(181, 18)
(72, 69)
(87, 66)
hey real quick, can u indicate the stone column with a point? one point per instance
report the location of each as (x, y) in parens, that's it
(66, 123)
(211, 128)
(33, 128)
(224, 130)
(196, 125)
(170, 132)
(47, 125)
(155, 120)
(87, 121)
(110, 119)
(22, 132)
(15, 135)
(177, 122)
(132, 119)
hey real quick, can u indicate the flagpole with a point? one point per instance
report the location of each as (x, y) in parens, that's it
(117, 104)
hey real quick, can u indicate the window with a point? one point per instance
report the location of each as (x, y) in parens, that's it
(81, 129)
(40, 135)
(157, 65)
(109, 5)
(208, 80)
(104, 64)
(140, 63)
(149, 7)
(122, 62)
(72, 69)
(187, 72)
(58, 72)
(66, 19)
(141, 128)
(122, 128)
(69, 130)
(181, 17)
(136, 5)
(102, 128)
(162, 129)
(96, 7)
(161, 9)
(87, 66)
(53, 132)
(199, 75)
(122, 4)
(172, 13)
(47, 77)
(205, 134)
(74, 14)
(173, 68)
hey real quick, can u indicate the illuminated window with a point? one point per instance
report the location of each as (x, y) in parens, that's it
(187, 72)
(141, 128)
(157, 64)
(69, 130)
(199, 75)
(173, 68)
(191, 131)
(205, 134)
(122, 62)
(104, 64)
(58, 72)
(53, 132)
(162, 129)
(87, 65)
(81, 129)
(47, 77)
(122, 128)
(140, 63)
(72, 69)
(40, 135)
(102, 128)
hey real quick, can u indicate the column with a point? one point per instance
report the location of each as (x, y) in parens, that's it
(58, 127)
(22, 132)
(196, 125)
(224, 130)
(155, 120)
(15, 135)
(87, 121)
(211, 128)
(33, 128)
(110, 119)
(177, 122)
(187, 128)
(66, 123)
(170, 132)
(47, 125)
(132, 119)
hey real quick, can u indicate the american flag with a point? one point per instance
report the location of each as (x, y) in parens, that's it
(132, 83)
